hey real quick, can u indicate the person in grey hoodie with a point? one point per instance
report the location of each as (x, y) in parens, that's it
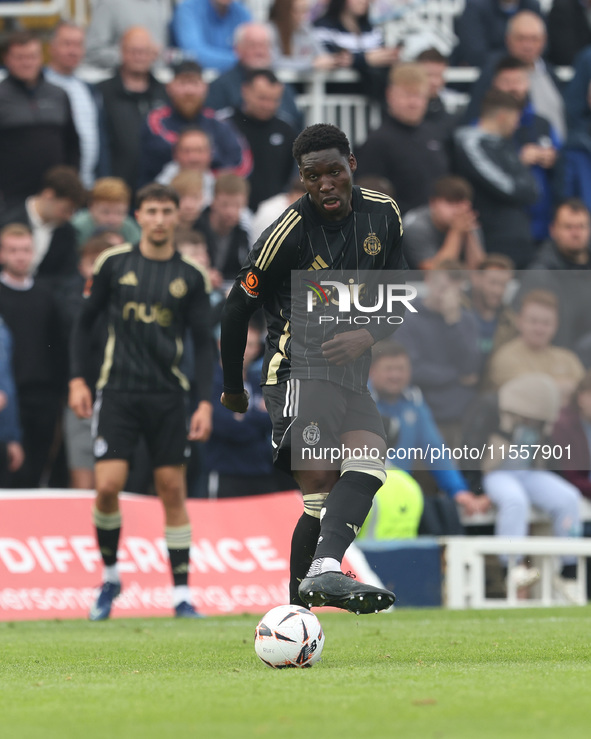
(503, 185)
(111, 18)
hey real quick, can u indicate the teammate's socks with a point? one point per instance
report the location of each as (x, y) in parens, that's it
(108, 529)
(181, 594)
(178, 541)
(111, 574)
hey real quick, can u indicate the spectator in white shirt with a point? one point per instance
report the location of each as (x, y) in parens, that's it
(66, 51)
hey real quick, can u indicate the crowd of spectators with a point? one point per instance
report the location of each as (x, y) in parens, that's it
(495, 199)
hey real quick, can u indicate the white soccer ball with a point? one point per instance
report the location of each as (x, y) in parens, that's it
(289, 636)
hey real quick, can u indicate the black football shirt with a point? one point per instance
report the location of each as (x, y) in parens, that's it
(150, 304)
(369, 238)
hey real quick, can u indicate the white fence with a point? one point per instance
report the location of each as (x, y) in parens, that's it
(464, 570)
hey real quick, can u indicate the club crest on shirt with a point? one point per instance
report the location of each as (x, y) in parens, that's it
(100, 447)
(178, 288)
(372, 245)
(311, 434)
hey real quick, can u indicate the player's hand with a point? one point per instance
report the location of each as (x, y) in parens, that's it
(200, 427)
(347, 347)
(237, 402)
(16, 456)
(80, 398)
(471, 503)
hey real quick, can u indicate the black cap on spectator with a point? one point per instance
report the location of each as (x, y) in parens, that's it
(187, 66)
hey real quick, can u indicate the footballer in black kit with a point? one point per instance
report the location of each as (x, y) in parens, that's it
(151, 295)
(335, 228)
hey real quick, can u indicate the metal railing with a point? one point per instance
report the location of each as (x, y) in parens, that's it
(35, 9)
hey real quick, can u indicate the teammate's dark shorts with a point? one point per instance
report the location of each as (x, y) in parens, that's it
(309, 418)
(121, 418)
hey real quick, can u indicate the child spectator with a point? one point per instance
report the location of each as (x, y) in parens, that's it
(108, 210)
(528, 406)
(227, 240)
(189, 186)
(409, 423)
(486, 298)
(532, 349)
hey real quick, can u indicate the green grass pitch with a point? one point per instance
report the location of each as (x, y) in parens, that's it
(413, 673)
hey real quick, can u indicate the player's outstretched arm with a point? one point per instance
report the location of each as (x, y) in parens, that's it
(201, 423)
(234, 330)
(80, 398)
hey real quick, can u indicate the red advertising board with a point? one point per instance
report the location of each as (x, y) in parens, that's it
(50, 566)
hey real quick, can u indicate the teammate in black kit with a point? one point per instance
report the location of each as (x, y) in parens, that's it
(151, 295)
(335, 227)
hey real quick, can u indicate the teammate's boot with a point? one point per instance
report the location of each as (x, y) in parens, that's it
(342, 591)
(186, 610)
(101, 610)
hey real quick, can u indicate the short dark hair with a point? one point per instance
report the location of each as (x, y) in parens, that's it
(65, 183)
(188, 130)
(453, 189)
(575, 204)
(18, 38)
(94, 246)
(432, 55)
(388, 348)
(14, 229)
(187, 66)
(496, 261)
(156, 191)
(230, 183)
(319, 137)
(509, 63)
(190, 236)
(495, 100)
(538, 296)
(250, 75)
(64, 23)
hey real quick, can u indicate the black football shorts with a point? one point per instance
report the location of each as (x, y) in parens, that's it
(309, 418)
(121, 418)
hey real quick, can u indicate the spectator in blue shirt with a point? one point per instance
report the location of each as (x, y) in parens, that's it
(11, 451)
(410, 425)
(205, 29)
